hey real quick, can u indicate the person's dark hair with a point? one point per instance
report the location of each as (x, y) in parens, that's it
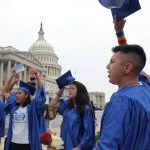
(135, 53)
(81, 99)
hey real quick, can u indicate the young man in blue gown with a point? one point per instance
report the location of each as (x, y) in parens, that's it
(126, 119)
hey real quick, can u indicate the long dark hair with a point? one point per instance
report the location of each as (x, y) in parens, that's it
(81, 99)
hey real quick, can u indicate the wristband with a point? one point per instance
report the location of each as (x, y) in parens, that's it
(121, 38)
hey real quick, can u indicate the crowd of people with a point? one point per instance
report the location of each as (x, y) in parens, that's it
(125, 121)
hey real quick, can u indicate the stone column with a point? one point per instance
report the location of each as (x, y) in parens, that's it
(25, 74)
(20, 75)
(52, 71)
(8, 68)
(47, 70)
(15, 63)
(1, 76)
(57, 72)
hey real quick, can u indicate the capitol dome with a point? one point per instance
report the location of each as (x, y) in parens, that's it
(44, 52)
(41, 45)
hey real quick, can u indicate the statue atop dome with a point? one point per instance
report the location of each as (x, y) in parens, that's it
(41, 26)
(41, 44)
(44, 52)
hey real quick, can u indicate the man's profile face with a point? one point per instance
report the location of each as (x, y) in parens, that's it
(116, 68)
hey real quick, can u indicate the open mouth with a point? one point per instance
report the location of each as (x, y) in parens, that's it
(17, 99)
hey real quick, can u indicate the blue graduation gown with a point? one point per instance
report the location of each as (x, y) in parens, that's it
(41, 119)
(35, 111)
(126, 119)
(143, 80)
(2, 118)
(77, 132)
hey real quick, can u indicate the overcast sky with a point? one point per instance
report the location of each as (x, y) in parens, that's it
(80, 31)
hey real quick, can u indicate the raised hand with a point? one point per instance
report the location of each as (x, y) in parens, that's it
(33, 73)
(119, 25)
(16, 78)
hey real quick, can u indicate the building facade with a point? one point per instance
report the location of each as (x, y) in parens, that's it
(41, 56)
(98, 99)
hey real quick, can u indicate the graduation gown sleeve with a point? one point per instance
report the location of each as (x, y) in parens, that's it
(2, 118)
(62, 106)
(11, 101)
(115, 119)
(39, 100)
(144, 80)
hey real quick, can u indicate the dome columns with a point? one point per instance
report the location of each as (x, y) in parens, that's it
(52, 72)
(1, 72)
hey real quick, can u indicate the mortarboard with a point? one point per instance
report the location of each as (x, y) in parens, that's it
(32, 81)
(128, 8)
(111, 3)
(65, 79)
(121, 8)
(27, 88)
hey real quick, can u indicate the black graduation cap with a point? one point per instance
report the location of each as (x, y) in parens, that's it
(27, 88)
(121, 8)
(65, 79)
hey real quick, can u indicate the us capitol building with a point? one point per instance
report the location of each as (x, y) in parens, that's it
(41, 56)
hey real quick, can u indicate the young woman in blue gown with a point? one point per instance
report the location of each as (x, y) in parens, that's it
(78, 125)
(25, 114)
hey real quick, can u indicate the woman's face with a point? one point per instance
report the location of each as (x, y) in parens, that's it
(21, 97)
(72, 91)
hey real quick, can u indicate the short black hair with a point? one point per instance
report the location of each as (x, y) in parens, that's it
(135, 54)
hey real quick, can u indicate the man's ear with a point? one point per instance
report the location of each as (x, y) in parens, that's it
(128, 67)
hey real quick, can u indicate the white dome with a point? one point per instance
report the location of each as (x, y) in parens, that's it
(45, 54)
(41, 45)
